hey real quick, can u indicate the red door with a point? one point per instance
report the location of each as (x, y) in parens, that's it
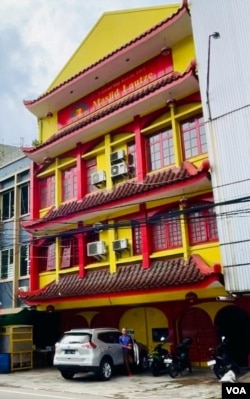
(197, 324)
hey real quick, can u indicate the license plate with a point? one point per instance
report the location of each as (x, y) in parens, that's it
(168, 361)
(69, 352)
(211, 362)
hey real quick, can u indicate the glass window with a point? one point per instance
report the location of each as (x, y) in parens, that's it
(137, 239)
(193, 137)
(47, 191)
(69, 252)
(166, 232)
(47, 256)
(69, 184)
(75, 338)
(24, 199)
(160, 150)
(21, 177)
(24, 261)
(7, 260)
(202, 226)
(8, 204)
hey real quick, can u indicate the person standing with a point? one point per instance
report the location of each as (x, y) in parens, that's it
(126, 343)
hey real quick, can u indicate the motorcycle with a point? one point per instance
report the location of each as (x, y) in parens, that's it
(220, 361)
(157, 359)
(180, 359)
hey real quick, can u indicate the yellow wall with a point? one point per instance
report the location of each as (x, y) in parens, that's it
(112, 31)
(183, 52)
(210, 252)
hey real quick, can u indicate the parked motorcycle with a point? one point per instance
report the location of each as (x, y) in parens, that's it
(157, 358)
(220, 360)
(180, 359)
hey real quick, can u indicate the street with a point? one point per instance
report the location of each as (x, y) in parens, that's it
(48, 383)
(20, 393)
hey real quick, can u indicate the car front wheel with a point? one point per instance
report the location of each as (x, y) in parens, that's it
(105, 370)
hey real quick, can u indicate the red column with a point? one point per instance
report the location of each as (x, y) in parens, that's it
(140, 150)
(34, 214)
(34, 190)
(80, 172)
(34, 260)
(81, 252)
(146, 239)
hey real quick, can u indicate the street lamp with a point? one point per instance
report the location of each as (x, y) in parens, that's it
(214, 35)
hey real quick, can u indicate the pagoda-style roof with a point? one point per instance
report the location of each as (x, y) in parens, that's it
(158, 93)
(161, 275)
(157, 185)
(178, 26)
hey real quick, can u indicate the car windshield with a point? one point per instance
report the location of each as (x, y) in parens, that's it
(76, 338)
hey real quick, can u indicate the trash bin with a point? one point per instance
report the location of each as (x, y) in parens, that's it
(4, 363)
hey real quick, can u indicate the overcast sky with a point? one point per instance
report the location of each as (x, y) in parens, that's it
(37, 37)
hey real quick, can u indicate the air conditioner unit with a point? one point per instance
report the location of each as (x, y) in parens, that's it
(97, 248)
(24, 288)
(119, 169)
(117, 156)
(98, 177)
(118, 245)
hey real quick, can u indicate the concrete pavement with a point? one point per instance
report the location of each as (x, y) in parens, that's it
(201, 384)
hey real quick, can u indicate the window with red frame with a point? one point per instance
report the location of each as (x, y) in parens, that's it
(136, 239)
(47, 256)
(160, 149)
(91, 167)
(194, 139)
(202, 226)
(47, 191)
(69, 252)
(131, 159)
(69, 184)
(166, 232)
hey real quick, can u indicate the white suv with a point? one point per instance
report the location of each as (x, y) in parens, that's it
(97, 350)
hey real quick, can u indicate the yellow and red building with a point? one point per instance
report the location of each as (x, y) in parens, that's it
(122, 219)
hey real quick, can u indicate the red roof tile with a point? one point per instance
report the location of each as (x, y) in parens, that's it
(128, 278)
(120, 191)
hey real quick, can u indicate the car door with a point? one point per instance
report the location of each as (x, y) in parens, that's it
(111, 346)
(118, 350)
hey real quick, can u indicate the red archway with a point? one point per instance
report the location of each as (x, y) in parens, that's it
(197, 324)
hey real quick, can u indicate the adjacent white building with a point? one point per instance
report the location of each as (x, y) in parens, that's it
(222, 41)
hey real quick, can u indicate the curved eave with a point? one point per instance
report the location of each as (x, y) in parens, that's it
(173, 276)
(74, 212)
(121, 112)
(169, 32)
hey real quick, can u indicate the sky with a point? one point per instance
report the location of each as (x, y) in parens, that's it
(37, 37)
